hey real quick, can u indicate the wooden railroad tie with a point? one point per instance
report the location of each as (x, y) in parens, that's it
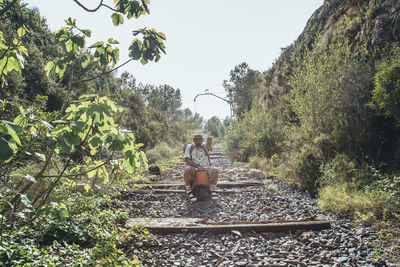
(160, 227)
(219, 185)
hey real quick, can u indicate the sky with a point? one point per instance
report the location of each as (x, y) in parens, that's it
(205, 40)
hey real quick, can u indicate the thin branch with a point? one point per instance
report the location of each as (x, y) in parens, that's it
(82, 173)
(62, 172)
(113, 9)
(87, 9)
(103, 73)
(7, 7)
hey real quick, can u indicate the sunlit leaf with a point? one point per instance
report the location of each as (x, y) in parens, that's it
(21, 31)
(40, 156)
(112, 41)
(91, 174)
(27, 200)
(162, 35)
(97, 44)
(49, 67)
(30, 178)
(117, 19)
(86, 187)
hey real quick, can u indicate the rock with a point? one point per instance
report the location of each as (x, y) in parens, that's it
(154, 169)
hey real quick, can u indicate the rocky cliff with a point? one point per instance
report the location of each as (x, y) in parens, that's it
(372, 25)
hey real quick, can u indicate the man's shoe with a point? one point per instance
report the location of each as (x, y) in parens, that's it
(191, 197)
(214, 195)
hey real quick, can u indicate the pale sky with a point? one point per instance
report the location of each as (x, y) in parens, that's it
(205, 39)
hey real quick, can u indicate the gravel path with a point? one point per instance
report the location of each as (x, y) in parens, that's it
(342, 245)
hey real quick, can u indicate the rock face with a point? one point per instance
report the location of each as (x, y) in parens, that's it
(372, 23)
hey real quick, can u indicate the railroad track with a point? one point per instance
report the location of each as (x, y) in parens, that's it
(257, 221)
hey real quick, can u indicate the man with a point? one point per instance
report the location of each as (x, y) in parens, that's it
(197, 158)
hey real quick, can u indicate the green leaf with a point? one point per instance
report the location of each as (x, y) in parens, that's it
(79, 40)
(91, 174)
(112, 41)
(117, 19)
(86, 187)
(95, 142)
(97, 44)
(30, 178)
(85, 61)
(6, 152)
(40, 156)
(144, 61)
(87, 32)
(12, 133)
(48, 68)
(72, 138)
(47, 125)
(27, 200)
(21, 31)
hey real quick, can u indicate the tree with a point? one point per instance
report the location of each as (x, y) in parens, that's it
(215, 127)
(242, 87)
(163, 98)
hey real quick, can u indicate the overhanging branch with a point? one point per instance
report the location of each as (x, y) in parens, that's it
(101, 74)
(87, 9)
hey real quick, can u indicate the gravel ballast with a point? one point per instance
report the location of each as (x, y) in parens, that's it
(341, 245)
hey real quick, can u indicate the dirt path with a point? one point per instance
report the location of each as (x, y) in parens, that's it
(341, 245)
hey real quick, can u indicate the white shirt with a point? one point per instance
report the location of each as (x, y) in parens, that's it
(198, 156)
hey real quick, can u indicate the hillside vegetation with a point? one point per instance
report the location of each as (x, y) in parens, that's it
(326, 115)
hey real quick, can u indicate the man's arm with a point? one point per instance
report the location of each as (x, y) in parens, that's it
(208, 144)
(193, 164)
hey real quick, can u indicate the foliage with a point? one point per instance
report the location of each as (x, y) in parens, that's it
(160, 152)
(12, 52)
(386, 94)
(256, 133)
(163, 98)
(214, 127)
(242, 87)
(89, 232)
(57, 167)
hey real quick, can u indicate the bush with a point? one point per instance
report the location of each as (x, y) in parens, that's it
(360, 190)
(258, 163)
(343, 170)
(153, 155)
(255, 133)
(302, 168)
(161, 151)
(386, 94)
(341, 198)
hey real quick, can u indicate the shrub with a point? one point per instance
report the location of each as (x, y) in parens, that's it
(342, 170)
(386, 94)
(301, 168)
(258, 162)
(255, 133)
(161, 151)
(153, 155)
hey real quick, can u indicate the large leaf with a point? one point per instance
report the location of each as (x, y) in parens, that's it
(6, 152)
(117, 19)
(85, 61)
(97, 44)
(27, 200)
(95, 142)
(49, 67)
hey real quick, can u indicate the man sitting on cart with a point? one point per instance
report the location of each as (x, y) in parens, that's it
(198, 159)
